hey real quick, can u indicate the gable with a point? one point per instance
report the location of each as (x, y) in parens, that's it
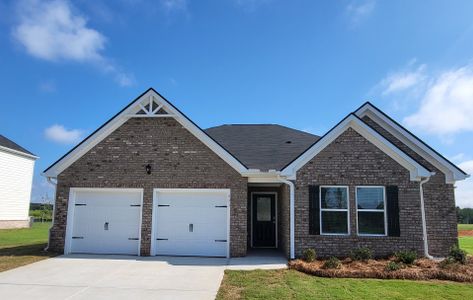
(150, 104)
(406, 139)
(416, 170)
(171, 150)
(352, 158)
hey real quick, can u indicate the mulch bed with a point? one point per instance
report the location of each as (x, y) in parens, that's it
(422, 269)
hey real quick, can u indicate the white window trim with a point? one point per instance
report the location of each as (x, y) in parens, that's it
(347, 210)
(371, 210)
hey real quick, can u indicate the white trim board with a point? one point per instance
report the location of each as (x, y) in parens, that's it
(19, 153)
(416, 170)
(451, 172)
(130, 112)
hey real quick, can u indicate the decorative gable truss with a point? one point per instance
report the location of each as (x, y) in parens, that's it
(416, 170)
(150, 107)
(150, 104)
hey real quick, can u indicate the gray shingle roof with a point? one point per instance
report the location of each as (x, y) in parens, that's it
(262, 146)
(7, 143)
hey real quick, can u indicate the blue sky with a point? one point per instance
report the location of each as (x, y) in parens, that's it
(68, 66)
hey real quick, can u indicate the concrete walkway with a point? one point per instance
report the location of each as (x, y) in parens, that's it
(125, 277)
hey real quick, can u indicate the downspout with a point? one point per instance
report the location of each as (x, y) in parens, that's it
(291, 215)
(50, 180)
(424, 222)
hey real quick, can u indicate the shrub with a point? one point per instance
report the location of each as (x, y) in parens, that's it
(458, 255)
(406, 256)
(393, 266)
(363, 254)
(332, 263)
(309, 255)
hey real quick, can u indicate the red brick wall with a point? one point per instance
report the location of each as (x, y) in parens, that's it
(178, 160)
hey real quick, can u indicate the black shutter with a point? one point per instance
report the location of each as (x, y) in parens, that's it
(392, 194)
(314, 210)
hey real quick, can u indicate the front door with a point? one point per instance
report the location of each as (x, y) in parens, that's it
(264, 220)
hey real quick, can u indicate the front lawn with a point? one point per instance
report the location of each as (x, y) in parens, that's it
(465, 227)
(466, 243)
(291, 284)
(20, 247)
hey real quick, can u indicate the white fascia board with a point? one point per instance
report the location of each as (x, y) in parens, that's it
(452, 174)
(19, 153)
(415, 169)
(128, 113)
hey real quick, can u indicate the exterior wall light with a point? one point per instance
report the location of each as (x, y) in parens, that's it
(148, 169)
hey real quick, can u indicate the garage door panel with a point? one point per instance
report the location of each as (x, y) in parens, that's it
(106, 222)
(191, 222)
(199, 230)
(199, 247)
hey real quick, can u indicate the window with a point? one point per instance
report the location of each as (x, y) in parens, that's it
(334, 210)
(371, 210)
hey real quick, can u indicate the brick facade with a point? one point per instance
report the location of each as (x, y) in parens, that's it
(439, 198)
(178, 160)
(352, 160)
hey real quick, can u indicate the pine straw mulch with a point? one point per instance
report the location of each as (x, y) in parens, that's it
(422, 269)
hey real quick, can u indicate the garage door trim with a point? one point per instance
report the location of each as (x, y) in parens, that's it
(184, 190)
(71, 206)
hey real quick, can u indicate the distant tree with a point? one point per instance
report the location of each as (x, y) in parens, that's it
(465, 215)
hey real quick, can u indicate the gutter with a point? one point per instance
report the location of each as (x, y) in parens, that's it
(291, 215)
(50, 181)
(424, 222)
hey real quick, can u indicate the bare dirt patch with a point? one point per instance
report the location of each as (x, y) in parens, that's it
(465, 233)
(422, 269)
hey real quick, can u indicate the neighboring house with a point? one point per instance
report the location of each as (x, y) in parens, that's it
(16, 177)
(151, 182)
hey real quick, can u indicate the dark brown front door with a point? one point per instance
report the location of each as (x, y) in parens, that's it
(264, 220)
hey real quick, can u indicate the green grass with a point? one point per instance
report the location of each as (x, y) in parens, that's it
(466, 243)
(290, 284)
(465, 226)
(19, 247)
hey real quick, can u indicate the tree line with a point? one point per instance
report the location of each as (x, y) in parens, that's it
(464, 215)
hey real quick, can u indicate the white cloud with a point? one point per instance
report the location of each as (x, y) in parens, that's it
(458, 158)
(59, 134)
(50, 30)
(55, 31)
(447, 105)
(464, 189)
(357, 11)
(403, 80)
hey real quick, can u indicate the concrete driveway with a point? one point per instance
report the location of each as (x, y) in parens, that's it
(122, 277)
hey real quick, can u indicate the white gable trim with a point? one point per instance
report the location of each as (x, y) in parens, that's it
(415, 169)
(131, 112)
(19, 153)
(452, 173)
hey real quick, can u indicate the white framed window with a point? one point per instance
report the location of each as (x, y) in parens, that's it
(334, 210)
(371, 210)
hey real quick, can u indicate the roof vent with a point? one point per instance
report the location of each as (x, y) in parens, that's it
(288, 142)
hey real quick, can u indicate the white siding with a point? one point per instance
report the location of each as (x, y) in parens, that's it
(16, 176)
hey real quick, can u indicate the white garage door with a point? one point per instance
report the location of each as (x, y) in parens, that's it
(105, 221)
(191, 222)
